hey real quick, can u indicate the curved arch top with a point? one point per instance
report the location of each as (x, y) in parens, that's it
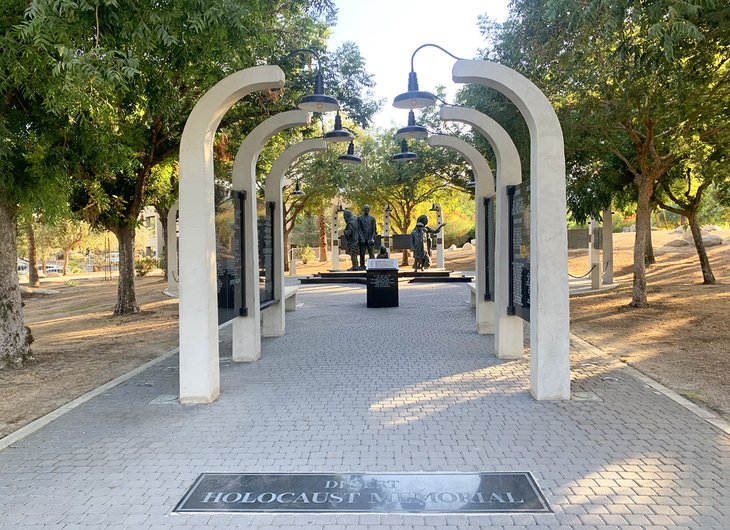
(508, 168)
(476, 160)
(247, 156)
(532, 103)
(286, 159)
(210, 109)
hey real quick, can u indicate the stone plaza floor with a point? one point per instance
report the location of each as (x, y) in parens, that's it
(351, 389)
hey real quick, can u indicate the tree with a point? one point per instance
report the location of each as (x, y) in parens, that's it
(25, 122)
(638, 78)
(130, 76)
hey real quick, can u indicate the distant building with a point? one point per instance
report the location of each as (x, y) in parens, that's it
(153, 235)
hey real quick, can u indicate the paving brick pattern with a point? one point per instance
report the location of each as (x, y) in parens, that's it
(353, 389)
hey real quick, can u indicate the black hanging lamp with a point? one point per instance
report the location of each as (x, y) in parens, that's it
(298, 191)
(350, 157)
(415, 98)
(338, 134)
(412, 131)
(404, 154)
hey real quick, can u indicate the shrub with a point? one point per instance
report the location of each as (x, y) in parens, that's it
(306, 254)
(144, 265)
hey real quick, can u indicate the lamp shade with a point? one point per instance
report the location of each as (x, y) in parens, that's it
(298, 191)
(404, 154)
(319, 102)
(350, 157)
(412, 131)
(414, 98)
(338, 134)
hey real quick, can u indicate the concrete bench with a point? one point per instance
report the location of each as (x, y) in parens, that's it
(473, 290)
(290, 298)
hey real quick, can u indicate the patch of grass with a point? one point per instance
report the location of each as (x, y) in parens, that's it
(693, 396)
(71, 283)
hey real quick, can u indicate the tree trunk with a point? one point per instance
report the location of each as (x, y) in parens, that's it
(643, 229)
(33, 279)
(707, 277)
(66, 252)
(15, 338)
(322, 237)
(126, 298)
(649, 258)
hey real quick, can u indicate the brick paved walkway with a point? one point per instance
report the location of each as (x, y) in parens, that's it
(405, 389)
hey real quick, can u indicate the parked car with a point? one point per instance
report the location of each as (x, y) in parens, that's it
(22, 266)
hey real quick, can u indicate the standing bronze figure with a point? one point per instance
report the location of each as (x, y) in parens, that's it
(351, 234)
(366, 233)
(421, 243)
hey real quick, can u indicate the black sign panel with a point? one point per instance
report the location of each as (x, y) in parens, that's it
(266, 254)
(365, 492)
(519, 254)
(229, 257)
(382, 288)
(490, 221)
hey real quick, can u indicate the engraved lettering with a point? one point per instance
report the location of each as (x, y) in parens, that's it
(267, 497)
(280, 497)
(217, 496)
(512, 500)
(446, 495)
(247, 498)
(335, 497)
(495, 498)
(236, 497)
(351, 496)
(316, 496)
(302, 498)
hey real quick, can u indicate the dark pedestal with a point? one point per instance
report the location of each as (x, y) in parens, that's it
(382, 287)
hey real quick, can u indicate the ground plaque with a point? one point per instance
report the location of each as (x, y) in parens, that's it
(514, 492)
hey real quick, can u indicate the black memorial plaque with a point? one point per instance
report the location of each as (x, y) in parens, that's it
(266, 255)
(382, 288)
(229, 263)
(513, 492)
(489, 235)
(519, 255)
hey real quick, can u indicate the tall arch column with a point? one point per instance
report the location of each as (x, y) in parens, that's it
(485, 309)
(549, 304)
(273, 316)
(246, 329)
(509, 335)
(199, 368)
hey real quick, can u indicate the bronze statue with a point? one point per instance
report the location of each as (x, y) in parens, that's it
(383, 254)
(351, 237)
(421, 243)
(366, 233)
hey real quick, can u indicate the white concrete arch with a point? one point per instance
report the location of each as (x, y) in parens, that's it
(509, 335)
(485, 309)
(549, 304)
(199, 369)
(246, 330)
(273, 316)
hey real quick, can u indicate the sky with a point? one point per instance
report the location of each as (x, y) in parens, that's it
(389, 31)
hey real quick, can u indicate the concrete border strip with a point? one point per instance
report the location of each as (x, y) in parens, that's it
(710, 417)
(63, 409)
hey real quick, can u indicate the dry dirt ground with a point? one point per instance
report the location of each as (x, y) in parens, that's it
(682, 339)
